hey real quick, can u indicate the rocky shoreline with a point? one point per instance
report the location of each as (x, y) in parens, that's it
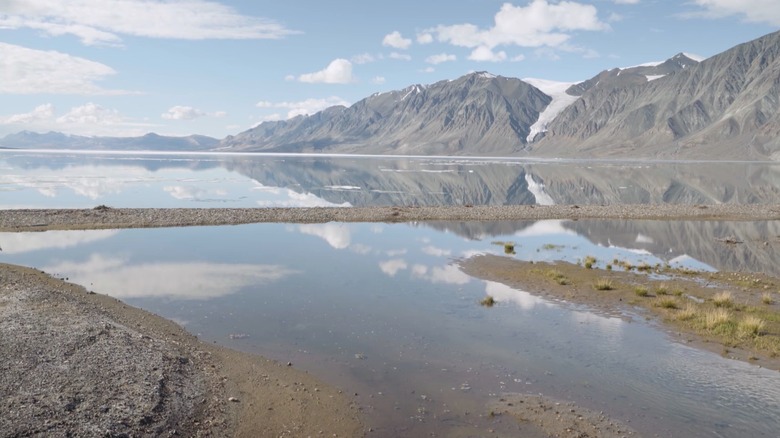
(103, 217)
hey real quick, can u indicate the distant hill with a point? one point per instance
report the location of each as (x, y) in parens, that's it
(58, 140)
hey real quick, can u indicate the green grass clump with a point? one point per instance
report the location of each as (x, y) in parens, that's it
(643, 267)
(603, 284)
(666, 303)
(767, 298)
(662, 289)
(641, 291)
(687, 313)
(488, 301)
(723, 299)
(715, 318)
(589, 262)
(608, 267)
(557, 276)
(751, 326)
(509, 248)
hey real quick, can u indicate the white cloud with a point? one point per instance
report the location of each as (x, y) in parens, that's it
(303, 107)
(182, 113)
(339, 71)
(363, 58)
(90, 113)
(441, 57)
(29, 71)
(428, 70)
(391, 267)
(40, 113)
(483, 53)
(184, 280)
(396, 41)
(94, 119)
(759, 11)
(436, 252)
(400, 56)
(220, 114)
(337, 236)
(424, 38)
(378, 80)
(17, 243)
(101, 21)
(449, 274)
(518, 58)
(626, 2)
(538, 24)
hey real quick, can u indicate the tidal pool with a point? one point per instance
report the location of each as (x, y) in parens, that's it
(383, 312)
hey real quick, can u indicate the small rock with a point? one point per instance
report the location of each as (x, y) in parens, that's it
(233, 399)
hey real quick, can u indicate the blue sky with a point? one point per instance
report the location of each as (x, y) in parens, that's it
(219, 67)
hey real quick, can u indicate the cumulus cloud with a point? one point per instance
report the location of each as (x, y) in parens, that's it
(759, 11)
(30, 71)
(424, 38)
(40, 113)
(396, 41)
(483, 53)
(339, 71)
(304, 107)
(378, 80)
(92, 114)
(538, 24)
(441, 57)
(102, 21)
(182, 113)
(626, 2)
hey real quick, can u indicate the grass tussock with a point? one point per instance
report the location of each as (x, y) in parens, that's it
(715, 318)
(751, 325)
(557, 276)
(666, 303)
(603, 284)
(509, 248)
(723, 299)
(687, 313)
(488, 301)
(662, 289)
(767, 298)
(641, 291)
(589, 262)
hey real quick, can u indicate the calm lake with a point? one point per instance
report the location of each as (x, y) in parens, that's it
(383, 311)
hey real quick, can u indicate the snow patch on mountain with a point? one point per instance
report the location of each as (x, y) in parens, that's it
(653, 77)
(560, 100)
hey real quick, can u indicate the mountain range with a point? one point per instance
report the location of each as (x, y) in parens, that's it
(723, 107)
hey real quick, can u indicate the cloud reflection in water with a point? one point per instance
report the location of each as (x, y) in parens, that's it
(187, 280)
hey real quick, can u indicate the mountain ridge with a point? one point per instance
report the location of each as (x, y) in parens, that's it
(725, 107)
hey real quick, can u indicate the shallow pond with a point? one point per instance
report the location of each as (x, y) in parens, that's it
(383, 312)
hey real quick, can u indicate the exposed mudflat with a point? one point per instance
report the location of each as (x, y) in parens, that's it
(76, 363)
(102, 217)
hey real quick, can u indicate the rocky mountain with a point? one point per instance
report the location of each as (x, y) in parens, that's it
(477, 114)
(58, 140)
(727, 106)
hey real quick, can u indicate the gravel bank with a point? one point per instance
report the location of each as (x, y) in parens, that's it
(104, 217)
(76, 363)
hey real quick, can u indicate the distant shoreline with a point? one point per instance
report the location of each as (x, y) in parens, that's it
(105, 217)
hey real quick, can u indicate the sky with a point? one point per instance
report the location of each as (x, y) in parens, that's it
(220, 67)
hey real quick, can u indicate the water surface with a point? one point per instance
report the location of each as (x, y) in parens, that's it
(383, 312)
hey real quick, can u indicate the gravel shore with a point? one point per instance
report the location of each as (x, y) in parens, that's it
(75, 363)
(105, 217)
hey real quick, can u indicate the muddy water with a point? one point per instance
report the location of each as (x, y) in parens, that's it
(383, 312)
